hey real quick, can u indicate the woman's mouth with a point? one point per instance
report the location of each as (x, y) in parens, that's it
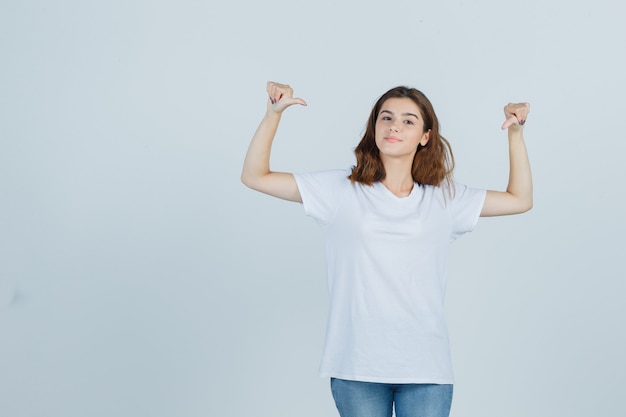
(392, 139)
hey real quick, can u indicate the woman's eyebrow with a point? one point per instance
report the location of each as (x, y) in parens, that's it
(404, 114)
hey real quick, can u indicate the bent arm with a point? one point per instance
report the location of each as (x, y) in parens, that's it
(518, 197)
(256, 173)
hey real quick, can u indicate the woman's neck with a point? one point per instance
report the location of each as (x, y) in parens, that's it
(398, 177)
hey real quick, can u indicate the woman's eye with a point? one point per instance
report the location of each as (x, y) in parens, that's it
(386, 118)
(409, 122)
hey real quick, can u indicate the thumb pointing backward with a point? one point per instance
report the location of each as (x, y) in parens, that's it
(510, 121)
(298, 101)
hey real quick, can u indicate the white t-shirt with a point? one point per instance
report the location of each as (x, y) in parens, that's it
(387, 261)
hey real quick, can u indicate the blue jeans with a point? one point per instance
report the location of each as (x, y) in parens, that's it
(372, 399)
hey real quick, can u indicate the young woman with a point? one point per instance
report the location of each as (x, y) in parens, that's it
(389, 222)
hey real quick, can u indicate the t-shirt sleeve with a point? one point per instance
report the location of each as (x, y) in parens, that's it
(321, 192)
(465, 208)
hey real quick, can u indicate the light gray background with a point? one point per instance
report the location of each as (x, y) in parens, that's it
(147, 281)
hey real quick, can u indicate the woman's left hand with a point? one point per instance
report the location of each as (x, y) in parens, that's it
(516, 114)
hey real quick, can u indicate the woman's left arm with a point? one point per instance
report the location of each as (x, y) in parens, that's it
(518, 196)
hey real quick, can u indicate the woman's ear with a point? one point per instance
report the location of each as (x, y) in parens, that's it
(425, 138)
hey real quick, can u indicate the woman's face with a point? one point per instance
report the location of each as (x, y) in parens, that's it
(400, 128)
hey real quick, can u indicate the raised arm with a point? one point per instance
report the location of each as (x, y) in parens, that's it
(256, 173)
(518, 196)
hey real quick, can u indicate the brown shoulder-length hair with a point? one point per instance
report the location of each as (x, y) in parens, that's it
(433, 163)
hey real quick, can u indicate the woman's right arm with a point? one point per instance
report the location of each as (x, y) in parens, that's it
(256, 173)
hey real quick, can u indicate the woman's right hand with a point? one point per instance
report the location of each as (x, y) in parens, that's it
(281, 97)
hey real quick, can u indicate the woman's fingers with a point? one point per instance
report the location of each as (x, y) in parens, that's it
(276, 91)
(516, 114)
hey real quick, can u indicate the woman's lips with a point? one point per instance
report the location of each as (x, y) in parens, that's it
(392, 139)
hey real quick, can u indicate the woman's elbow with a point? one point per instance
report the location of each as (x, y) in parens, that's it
(247, 180)
(527, 205)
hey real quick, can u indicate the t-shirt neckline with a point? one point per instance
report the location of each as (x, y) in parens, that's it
(395, 197)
